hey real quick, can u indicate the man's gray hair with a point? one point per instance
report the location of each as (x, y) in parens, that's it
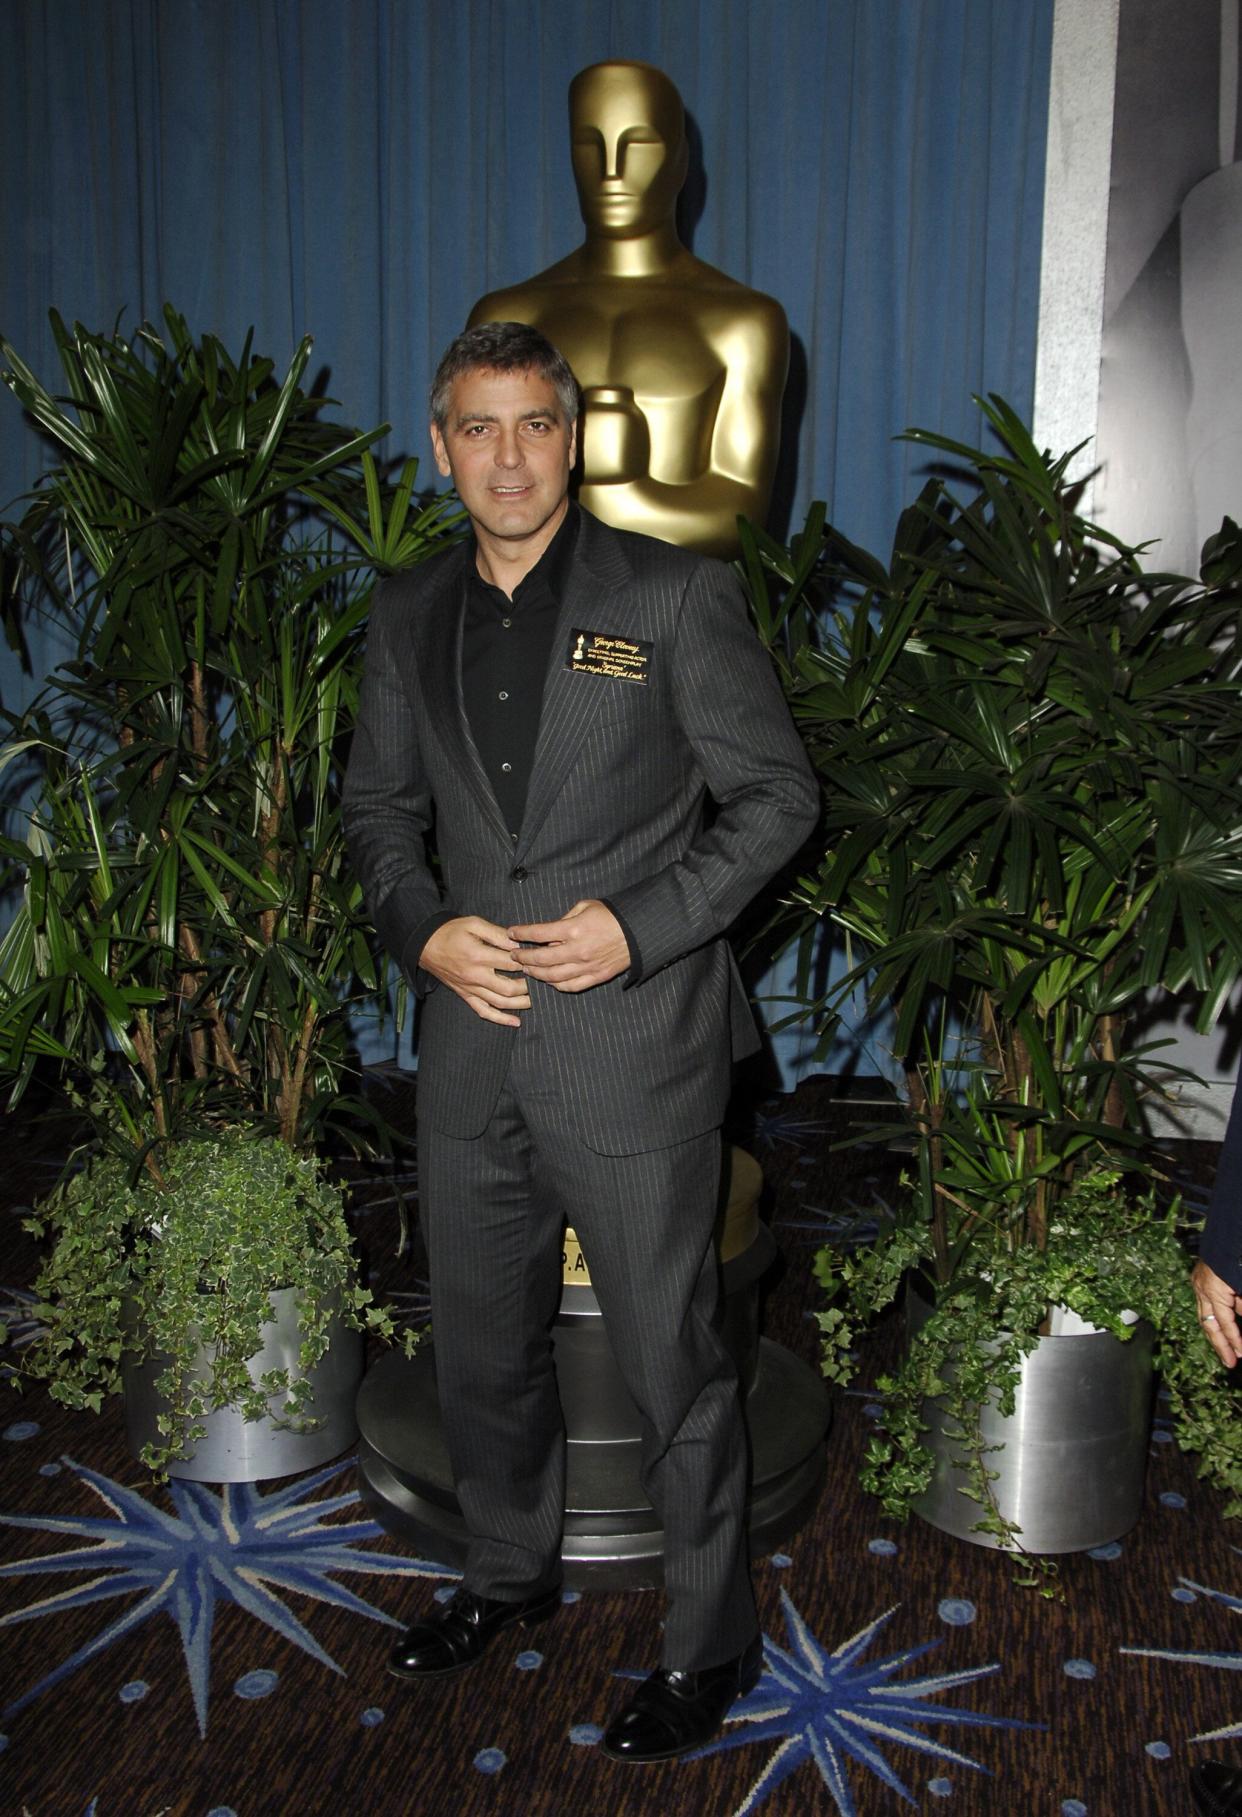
(503, 347)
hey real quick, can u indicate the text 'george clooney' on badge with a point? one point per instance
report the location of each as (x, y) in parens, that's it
(598, 653)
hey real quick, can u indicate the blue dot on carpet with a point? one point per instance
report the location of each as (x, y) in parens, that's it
(957, 1611)
(1078, 1668)
(873, 1410)
(571, 1596)
(222, 1810)
(1106, 1552)
(781, 1560)
(1159, 1750)
(1171, 1499)
(444, 1592)
(372, 1718)
(1073, 1807)
(21, 1429)
(529, 1661)
(1184, 1595)
(490, 1760)
(256, 1684)
(134, 1691)
(1161, 1438)
(585, 1734)
(49, 1469)
(940, 1788)
(882, 1548)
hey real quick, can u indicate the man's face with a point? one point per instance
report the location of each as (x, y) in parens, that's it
(509, 451)
(628, 148)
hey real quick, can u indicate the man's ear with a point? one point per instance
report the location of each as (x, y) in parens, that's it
(440, 451)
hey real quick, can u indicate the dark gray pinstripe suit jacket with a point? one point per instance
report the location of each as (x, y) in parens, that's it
(615, 808)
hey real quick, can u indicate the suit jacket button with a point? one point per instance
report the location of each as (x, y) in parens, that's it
(519, 873)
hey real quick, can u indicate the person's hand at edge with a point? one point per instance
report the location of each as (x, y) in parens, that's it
(1219, 1307)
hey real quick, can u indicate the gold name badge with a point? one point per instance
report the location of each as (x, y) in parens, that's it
(599, 653)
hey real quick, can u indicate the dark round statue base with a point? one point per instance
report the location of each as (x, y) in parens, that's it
(612, 1538)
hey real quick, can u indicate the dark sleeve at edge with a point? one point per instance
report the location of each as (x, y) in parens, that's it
(1221, 1245)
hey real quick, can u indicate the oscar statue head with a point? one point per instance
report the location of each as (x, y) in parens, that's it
(628, 136)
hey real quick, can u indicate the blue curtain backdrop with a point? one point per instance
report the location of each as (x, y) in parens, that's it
(365, 169)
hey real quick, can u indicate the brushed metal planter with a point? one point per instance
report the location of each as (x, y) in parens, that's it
(1073, 1452)
(237, 1450)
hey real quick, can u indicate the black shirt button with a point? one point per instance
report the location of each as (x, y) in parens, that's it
(519, 873)
(506, 767)
(503, 694)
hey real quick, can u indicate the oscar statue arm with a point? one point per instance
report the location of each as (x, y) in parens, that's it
(727, 475)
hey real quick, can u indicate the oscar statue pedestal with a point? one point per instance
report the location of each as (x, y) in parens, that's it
(612, 1535)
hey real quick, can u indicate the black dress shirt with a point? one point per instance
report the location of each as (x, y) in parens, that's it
(505, 648)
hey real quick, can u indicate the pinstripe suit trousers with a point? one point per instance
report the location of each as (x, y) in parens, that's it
(492, 1211)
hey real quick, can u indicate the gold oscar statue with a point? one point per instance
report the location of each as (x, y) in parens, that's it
(682, 368)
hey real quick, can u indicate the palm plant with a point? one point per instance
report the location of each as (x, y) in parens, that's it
(189, 941)
(1031, 755)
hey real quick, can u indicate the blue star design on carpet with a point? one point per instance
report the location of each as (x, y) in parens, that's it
(828, 1708)
(227, 1545)
(774, 1125)
(854, 1227)
(19, 1317)
(1224, 1662)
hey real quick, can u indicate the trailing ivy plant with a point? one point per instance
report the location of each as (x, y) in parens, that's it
(183, 1270)
(1110, 1256)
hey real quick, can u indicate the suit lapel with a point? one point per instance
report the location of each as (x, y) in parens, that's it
(439, 636)
(598, 577)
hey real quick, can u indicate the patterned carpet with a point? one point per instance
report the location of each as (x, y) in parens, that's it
(210, 1652)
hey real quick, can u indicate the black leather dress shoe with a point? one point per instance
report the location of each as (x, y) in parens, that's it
(456, 1634)
(673, 1713)
(1217, 1789)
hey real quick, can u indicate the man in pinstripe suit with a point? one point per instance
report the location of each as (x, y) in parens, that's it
(586, 721)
